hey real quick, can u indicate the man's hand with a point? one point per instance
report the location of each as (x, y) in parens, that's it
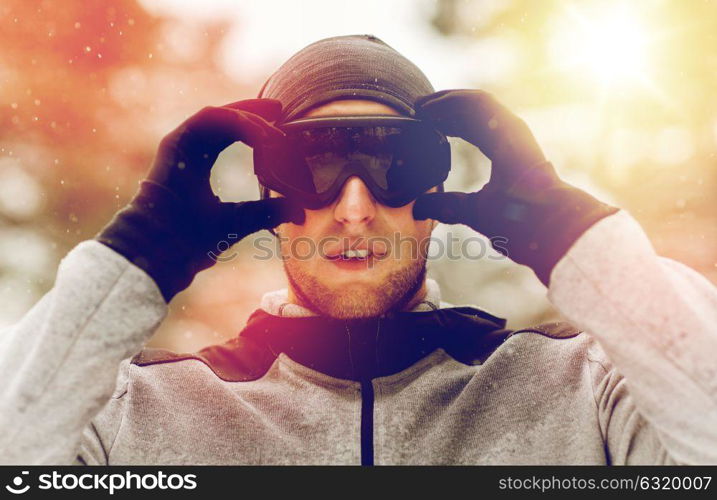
(538, 216)
(175, 220)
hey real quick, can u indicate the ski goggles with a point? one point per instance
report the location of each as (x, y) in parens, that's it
(398, 158)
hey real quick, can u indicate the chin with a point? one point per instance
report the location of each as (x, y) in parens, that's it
(361, 298)
(359, 302)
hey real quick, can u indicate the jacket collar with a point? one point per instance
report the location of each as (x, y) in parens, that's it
(277, 302)
(360, 349)
(355, 349)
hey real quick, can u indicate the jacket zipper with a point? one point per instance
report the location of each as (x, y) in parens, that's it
(366, 422)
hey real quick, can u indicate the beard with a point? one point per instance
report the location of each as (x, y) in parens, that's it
(359, 300)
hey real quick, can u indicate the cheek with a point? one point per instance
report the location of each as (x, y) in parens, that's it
(410, 237)
(402, 220)
(300, 240)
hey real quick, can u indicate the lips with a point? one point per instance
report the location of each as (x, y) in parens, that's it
(354, 254)
(356, 250)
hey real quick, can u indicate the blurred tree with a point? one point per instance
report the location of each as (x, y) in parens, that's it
(654, 149)
(88, 90)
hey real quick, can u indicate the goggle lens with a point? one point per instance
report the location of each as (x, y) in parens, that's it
(397, 159)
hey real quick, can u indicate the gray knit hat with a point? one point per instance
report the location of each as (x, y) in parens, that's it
(346, 67)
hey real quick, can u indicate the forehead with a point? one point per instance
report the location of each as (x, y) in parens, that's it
(351, 107)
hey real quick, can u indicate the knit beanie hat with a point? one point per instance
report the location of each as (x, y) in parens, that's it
(345, 67)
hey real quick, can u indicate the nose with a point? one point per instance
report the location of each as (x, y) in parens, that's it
(355, 205)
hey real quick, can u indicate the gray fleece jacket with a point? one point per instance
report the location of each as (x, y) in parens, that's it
(638, 385)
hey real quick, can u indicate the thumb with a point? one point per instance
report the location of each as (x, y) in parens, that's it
(269, 109)
(448, 207)
(247, 217)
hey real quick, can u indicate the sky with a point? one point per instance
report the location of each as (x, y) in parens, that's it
(280, 28)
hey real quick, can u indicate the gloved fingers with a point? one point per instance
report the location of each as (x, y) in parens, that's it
(185, 156)
(204, 135)
(219, 127)
(482, 211)
(532, 180)
(269, 131)
(479, 118)
(472, 115)
(260, 111)
(448, 207)
(247, 217)
(269, 109)
(420, 101)
(448, 97)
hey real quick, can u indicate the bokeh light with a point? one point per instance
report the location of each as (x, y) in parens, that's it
(606, 42)
(620, 95)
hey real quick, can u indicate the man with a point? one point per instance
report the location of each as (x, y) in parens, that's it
(365, 365)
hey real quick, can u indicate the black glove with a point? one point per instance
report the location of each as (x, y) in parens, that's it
(173, 225)
(525, 206)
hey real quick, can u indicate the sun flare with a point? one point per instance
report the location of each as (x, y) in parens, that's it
(609, 44)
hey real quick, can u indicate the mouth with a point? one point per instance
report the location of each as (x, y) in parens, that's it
(353, 261)
(352, 254)
(358, 257)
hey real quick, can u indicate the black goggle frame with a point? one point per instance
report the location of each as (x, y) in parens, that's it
(426, 148)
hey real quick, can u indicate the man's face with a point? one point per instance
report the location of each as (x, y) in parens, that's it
(393, 275)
